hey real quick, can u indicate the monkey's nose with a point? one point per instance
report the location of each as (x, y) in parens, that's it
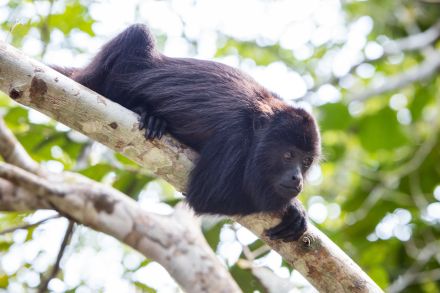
(296, 179)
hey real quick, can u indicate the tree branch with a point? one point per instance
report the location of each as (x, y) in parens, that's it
(56, 267)
(175, 241)
(413, 42)
(418, 73)
(392, 47)
(27, 226)
(32, 84)
(13, 152)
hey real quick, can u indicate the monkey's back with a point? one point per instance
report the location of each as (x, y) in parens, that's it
(198, 98)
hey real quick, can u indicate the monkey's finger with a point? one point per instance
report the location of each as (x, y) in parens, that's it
(289, 223)
(286, 223)
(150, 122)
(156, 128)
(291, 236)
(295, 232)
(285, 234)
(292, 232)
(162, 128)
(152, 125)
(276, 234)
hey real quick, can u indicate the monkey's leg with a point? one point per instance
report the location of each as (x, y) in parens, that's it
(293, 224)
(154, 126)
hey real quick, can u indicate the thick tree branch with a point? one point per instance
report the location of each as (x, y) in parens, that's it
(37, 86)
(43, 185)
(175, 241)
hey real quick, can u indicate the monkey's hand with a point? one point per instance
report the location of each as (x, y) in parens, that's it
(293, 224)
(154, 126)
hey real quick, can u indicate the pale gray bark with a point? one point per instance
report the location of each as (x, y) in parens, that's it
(175, 241)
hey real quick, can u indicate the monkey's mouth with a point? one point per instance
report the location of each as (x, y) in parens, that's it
(289, 191)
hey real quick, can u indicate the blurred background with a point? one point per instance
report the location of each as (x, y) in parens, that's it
(368, 70)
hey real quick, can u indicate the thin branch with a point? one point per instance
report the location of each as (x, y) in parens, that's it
(430, 1)
(418, 73)
(27, 226)
(413, 274)
(13, 152)
(56, 266)
(413, 42)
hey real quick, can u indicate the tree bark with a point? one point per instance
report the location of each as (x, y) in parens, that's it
(174, 241)
(32, 84)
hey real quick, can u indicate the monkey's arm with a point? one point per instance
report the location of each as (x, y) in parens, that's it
(215, 185)
(293, 223)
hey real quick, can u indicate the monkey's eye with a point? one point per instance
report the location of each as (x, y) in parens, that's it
(307, 162)
(288, 156)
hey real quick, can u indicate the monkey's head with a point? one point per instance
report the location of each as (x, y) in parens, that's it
(285, 146)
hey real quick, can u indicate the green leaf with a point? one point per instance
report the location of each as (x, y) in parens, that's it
(75, 16)
(246, 280)
(334, 116)
(130, 183)
(381, 131)
(5, 245)
(423, 96)
(380, 276)
(334, 152)
(97, 172)
(212, 235)
(4, 281)
(144, 288)
(262, 55)
(5, 100)
(126, 161)
(17, 118)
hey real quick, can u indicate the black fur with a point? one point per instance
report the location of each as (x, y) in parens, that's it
(240, 129)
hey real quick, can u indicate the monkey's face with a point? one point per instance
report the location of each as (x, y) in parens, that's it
(292, 166)
(276, 173)
(283, 150)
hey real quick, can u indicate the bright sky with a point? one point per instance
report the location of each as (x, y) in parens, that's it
(297, 25)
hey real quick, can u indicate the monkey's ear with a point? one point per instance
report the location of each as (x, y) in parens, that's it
(260, 121)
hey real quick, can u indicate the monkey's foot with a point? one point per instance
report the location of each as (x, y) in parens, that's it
(153, 125)
(293, 224)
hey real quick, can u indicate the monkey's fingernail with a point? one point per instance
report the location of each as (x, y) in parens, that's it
(150, 123)
(151, 134)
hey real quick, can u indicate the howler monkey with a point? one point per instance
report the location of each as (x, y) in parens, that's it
(254, 149)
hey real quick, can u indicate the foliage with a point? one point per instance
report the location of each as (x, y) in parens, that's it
(380, 167)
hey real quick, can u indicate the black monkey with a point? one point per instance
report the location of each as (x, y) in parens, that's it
(254, 149)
